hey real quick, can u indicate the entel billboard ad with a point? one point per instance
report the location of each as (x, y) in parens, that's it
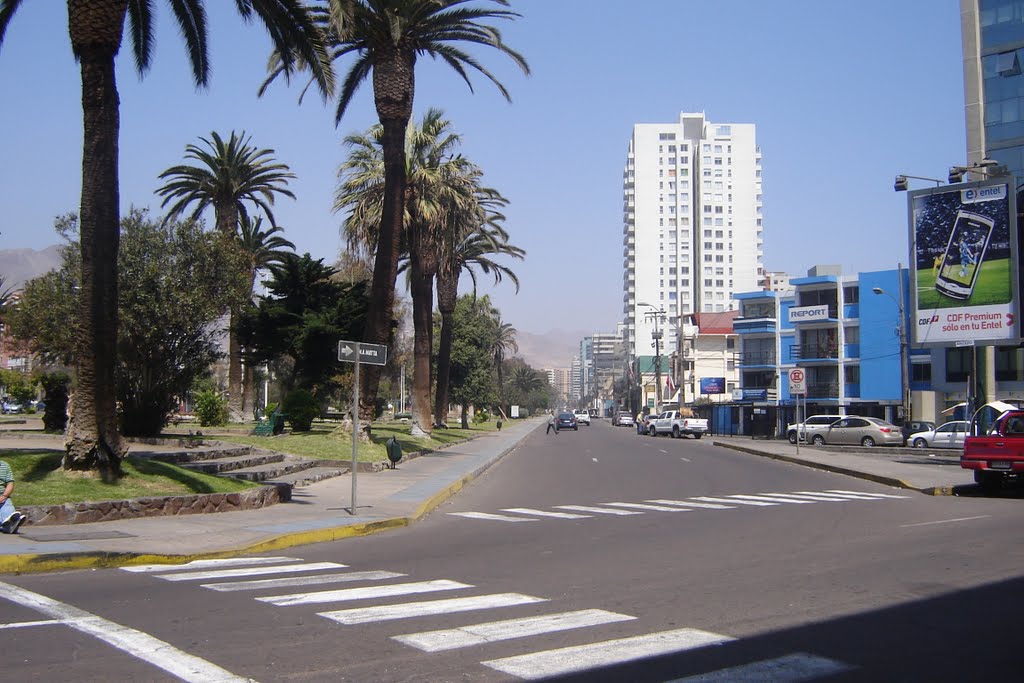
(964, 269)
(712, 385)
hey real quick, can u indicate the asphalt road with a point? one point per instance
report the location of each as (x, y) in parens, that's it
(703, 571)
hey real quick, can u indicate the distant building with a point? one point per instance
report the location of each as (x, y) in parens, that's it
(776, 282)
(705, 365)
(692, 226)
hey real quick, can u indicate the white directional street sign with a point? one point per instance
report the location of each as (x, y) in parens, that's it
(369, 354)
(797, 381)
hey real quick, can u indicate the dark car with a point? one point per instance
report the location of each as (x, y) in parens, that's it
(567, 421)
(915, 426)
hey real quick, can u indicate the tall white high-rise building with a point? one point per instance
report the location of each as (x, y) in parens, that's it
(692, 233)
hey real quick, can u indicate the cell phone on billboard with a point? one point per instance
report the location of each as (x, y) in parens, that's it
(965, 252)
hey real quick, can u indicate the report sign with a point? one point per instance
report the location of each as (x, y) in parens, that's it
(964, 264)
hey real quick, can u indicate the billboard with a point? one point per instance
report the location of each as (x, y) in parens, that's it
(964, 270)
(712, 385)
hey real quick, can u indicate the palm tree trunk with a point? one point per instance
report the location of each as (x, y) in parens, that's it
(93, 440)
(422, 288)
(236, 409)
(447, 295)
(385, 267)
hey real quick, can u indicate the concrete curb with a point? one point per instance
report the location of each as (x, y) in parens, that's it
(877, 478)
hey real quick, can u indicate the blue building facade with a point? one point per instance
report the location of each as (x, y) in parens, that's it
(843, 333)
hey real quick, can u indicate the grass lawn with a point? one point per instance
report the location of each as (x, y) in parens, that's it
(38, 480)
(992, 287)
(327, 441)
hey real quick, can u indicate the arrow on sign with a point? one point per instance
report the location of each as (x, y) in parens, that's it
(346, 351)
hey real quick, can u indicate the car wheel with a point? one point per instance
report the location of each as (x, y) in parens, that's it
(818, 440)
(792, 437)
(576, 428)
(675, 432)
(867, 442)
(697, 436)
(651, 431)
(920, 443)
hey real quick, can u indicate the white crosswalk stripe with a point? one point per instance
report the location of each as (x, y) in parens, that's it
(250, 571)
(692, 504)
(209, 564)
(539, 665)
(767, 499)
(844, 496)
(292, 581)
(645, 506)
(793, 668)
(709, 499)
(807, 496)
(862, 493)
(546, 513)
(491, 516)
(600, 511)
(366, 615)
(365, 593)
(490, 632)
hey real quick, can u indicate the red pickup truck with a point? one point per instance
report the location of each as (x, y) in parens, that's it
(999, 454)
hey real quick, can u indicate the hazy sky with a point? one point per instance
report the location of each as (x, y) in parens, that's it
(845, 95)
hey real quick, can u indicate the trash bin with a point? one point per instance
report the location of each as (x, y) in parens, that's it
(394, 451)
(278, 420)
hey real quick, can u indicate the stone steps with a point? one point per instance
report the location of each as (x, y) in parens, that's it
(253, 464)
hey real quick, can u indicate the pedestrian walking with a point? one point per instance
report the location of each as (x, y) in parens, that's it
(640, 423)
(12, 519)
(552, 424)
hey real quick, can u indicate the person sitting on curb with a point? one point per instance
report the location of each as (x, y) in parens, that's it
(12, 519)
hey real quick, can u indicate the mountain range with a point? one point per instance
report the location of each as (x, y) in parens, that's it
(19, 265)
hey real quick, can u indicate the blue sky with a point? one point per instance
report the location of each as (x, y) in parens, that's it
(845, 95)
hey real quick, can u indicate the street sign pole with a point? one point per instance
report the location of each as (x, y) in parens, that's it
(355, 430)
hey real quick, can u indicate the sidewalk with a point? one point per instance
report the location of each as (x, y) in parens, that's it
(387, 500)
(931, 471)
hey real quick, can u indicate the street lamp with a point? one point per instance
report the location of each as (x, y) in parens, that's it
(657, 315)
(905, 404)
(900, 185)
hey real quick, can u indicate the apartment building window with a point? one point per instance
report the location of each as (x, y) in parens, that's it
(851, 293)
(707, 245)
(707, 283)
(708, 258)
(707, 148)
(718, 149)
(666, 136)
(922, 372)
(958, 364)
(671, 149)
(719, 283)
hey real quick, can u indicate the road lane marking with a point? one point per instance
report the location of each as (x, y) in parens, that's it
(136, 643)
(25, 624)
(864, 493)
(845, 496)
(480, 634)
(251, 571)
(691, 504)
(945, 521)
(755, 503)
(546, 513)
(792, 668)
(540, 665)
(492, 516)
(210, 564)
(808, 496)
(600, 511)
(686, 459)
(643, 506)
(769, 499)
(291, 581)
(366, 593)
(365, 615)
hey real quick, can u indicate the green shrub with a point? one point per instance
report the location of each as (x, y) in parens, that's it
(481, 416)
(301, 408)
(211, 408)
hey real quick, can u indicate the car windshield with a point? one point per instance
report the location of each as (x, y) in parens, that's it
(566, 416)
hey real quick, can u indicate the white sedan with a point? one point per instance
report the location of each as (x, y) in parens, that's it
(582, 417)
(949, 435)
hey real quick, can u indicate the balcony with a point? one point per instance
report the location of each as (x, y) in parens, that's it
(814, 352)
(758, 358)
(820, 390)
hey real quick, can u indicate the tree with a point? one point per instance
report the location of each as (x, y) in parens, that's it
(472, 366)
(386, 37)
(96, 29)
(297, 325)
(228, 176)
(175, 281)
(261, 249)
(438, 189)
(474, 238)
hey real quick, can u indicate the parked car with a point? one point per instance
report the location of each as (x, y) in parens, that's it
(866, 431)
(567, 420)
(949, 435)
(809, 427)
(624, 419)
(10, 407)
(582, 417)
(678, 423)
(913, 427)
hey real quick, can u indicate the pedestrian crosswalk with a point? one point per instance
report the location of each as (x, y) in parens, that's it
(734, 501)
(388, 596)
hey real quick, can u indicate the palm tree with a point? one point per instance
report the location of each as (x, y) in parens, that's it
(504, 342)
(436, 189)
(262, 249)
(96, 29)
(464, 249)
(387, 37)
(228, 176)
(526, 379)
